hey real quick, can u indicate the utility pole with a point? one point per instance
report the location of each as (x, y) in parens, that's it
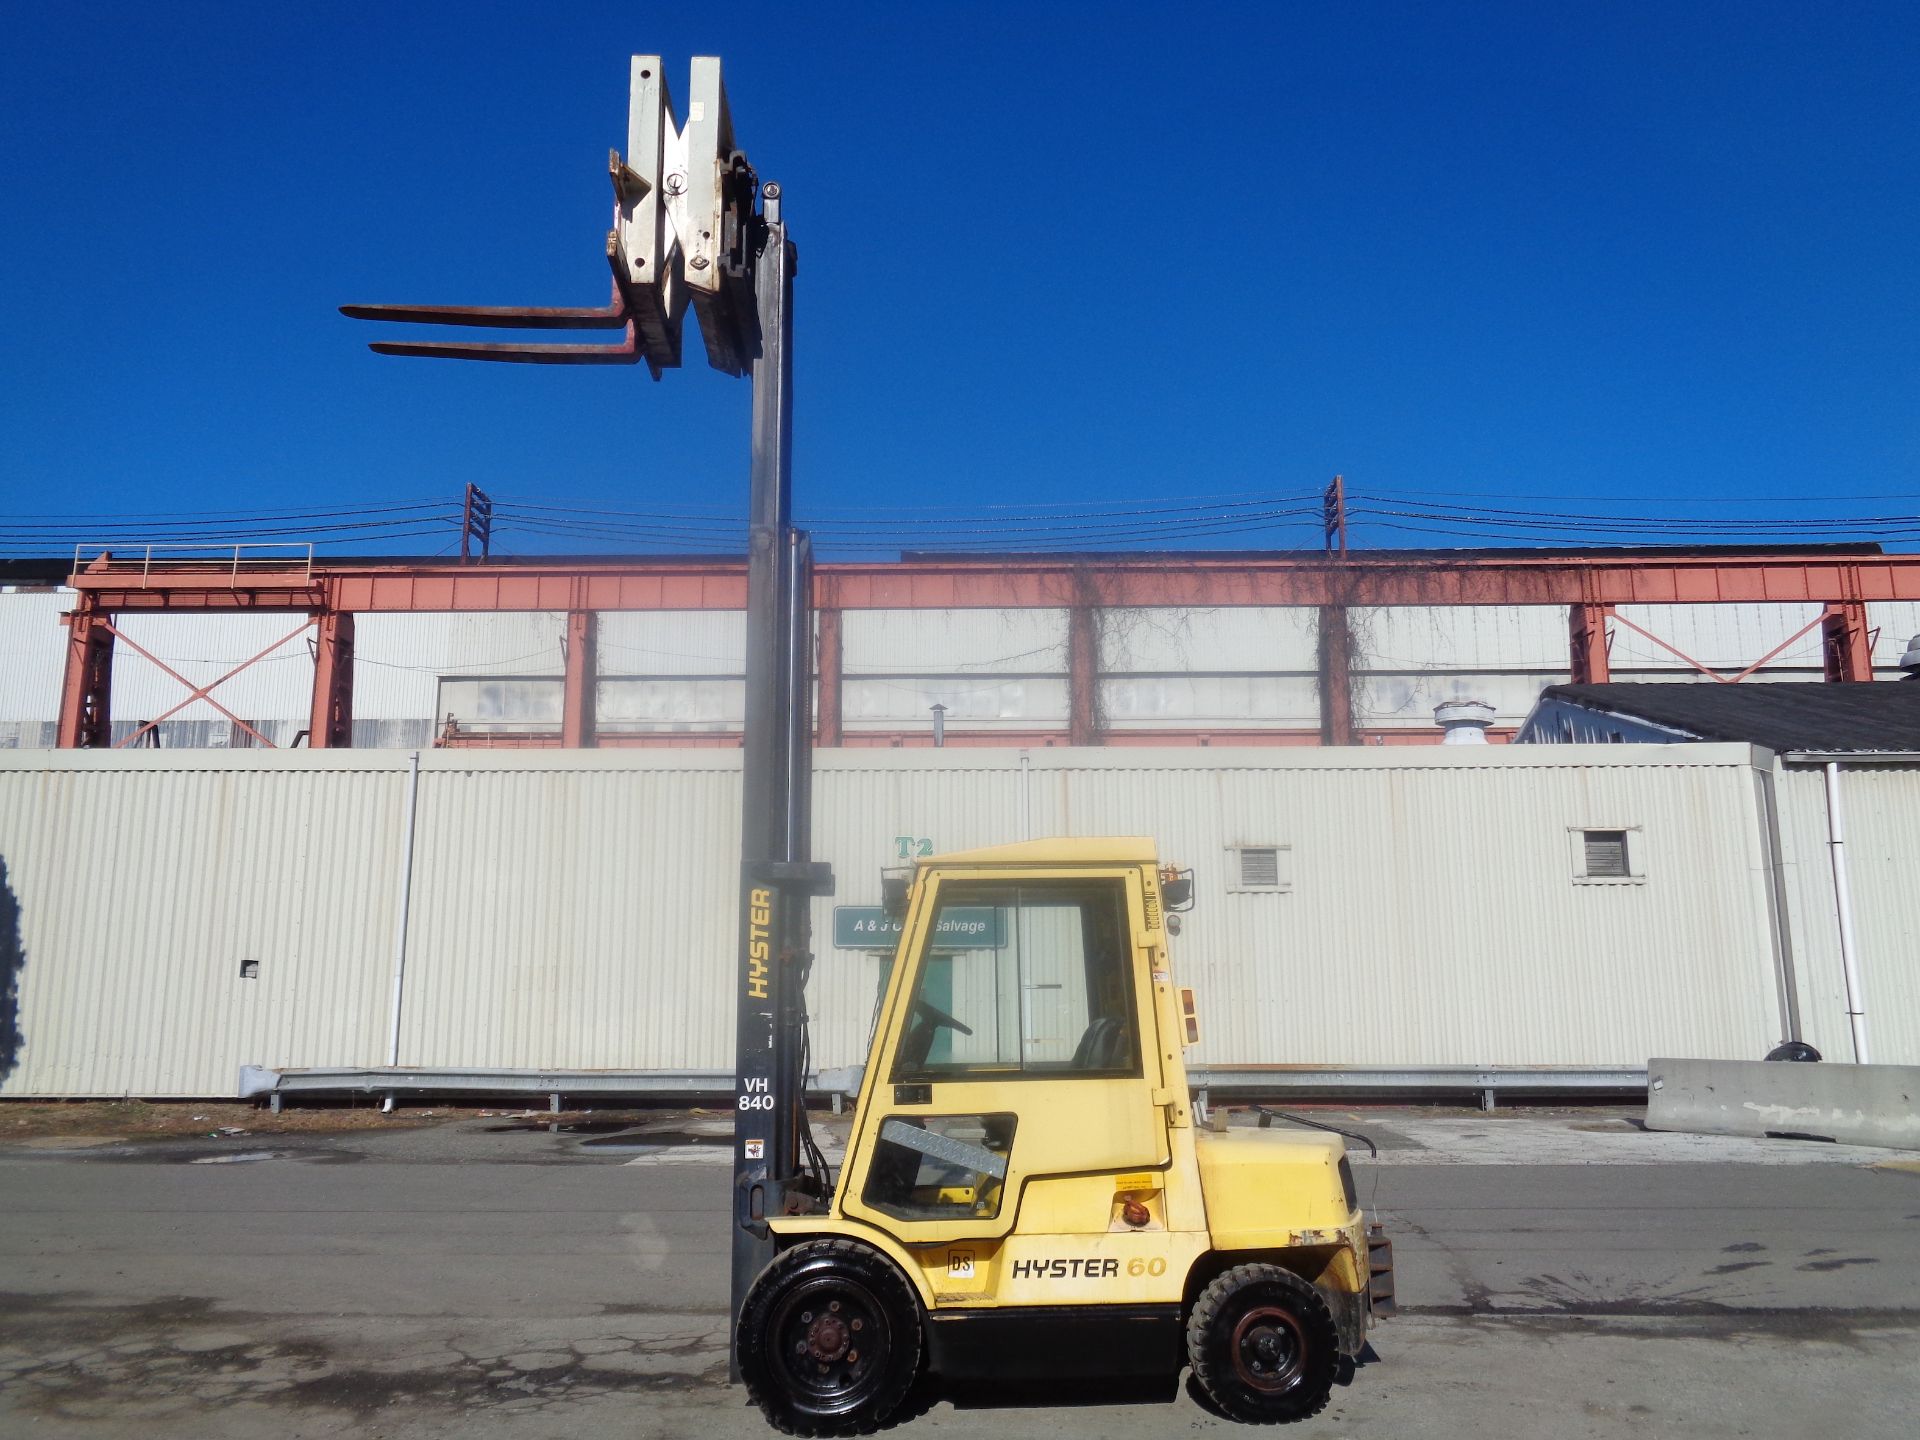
(693, 225)
(476, 523)
(1333, 507)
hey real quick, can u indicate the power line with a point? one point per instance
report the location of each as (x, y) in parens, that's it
(194, 517)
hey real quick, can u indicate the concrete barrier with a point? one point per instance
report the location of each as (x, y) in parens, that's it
(1853, 1104)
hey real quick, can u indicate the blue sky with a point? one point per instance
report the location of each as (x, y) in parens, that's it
(1051, 255)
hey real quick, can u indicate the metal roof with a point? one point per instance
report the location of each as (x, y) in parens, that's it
(1076, 850)
(1878, 717)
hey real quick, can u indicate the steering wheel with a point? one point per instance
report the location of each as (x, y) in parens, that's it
(936, 1016)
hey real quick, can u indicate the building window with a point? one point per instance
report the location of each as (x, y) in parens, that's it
(1259, 869)
(1607, 856)
(502, 704)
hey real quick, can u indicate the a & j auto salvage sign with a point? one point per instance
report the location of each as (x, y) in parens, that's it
(961, 927)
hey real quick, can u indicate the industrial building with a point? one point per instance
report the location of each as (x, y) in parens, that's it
(1207, 648)
(520, 871)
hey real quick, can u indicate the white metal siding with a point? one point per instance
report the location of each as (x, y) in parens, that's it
(578, 909)
(992, 669)
(1410, 658)
(1460, 637)
(575, 915)
(1728, 638)
(142, 884)
(671, 642)
(399, 659)
(274, 694)
(922, 642)
(1228, 702)
(1229, 669)
(1433, 918)
(1893, 623)
(33, 658)
(1179, 640)
(1881, 805)
(1407, 701)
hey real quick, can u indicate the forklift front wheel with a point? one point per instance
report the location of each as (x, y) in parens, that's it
(1263, 1345)
(829, 1339)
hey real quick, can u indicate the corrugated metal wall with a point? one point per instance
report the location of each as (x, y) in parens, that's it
(1434, 917)
(673, 671)
(273, 694)
(1893, 623)
(399, 661)
(1726, 637)
(144, 881)
(996, 670)
(1231, 668)
(1411, 658)
(576, 909)
(1881, 806)
(992, 669)
(33, 658)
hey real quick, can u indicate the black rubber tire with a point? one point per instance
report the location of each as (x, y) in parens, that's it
(856, 1299)
(1260, 1317)
(1797, 1050)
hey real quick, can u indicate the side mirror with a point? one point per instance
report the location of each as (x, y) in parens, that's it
(894, 888)
(1176, 889)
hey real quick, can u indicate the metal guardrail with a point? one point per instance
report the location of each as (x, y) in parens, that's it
(207, 555)
(1484, 1084)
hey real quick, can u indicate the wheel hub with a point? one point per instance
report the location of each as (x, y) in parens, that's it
(828, 1338)
(828, 1333)
(1268, 1348)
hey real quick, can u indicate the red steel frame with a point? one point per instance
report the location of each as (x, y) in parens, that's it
(331, 594)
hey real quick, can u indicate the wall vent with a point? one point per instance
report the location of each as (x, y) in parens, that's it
(1607, 857)
(1606, 853)
(1258, 868)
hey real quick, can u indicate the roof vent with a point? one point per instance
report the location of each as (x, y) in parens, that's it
(1465, 721)
(1911, 660)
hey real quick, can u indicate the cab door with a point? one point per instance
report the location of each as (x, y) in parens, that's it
(1018, 1044)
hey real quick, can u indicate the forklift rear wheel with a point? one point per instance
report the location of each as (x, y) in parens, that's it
(829, 1339)
(1262, 1345)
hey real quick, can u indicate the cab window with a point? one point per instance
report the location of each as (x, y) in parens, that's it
(940, 1167)
(1023, 982)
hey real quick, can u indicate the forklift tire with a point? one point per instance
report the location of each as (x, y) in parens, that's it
(1262, 1345)
(829, 1340)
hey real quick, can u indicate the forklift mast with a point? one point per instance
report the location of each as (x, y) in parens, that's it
(693, 225)
(778, 878)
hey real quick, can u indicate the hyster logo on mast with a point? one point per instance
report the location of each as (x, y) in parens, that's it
(759, 920)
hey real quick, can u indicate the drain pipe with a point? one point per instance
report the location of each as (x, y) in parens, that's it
(400, 924)
(1026, 795)
(1843, 902)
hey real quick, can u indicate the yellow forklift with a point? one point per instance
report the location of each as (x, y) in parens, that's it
(1025, 1193)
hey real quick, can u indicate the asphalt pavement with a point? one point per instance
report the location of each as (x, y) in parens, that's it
(1560, 1275)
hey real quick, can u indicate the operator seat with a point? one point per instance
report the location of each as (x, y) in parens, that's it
(1105, 1046)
